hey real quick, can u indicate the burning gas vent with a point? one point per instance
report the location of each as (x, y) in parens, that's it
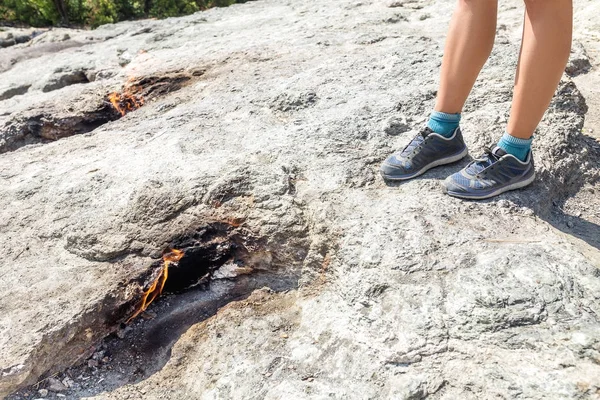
(192, 260)
(137, 91)
(91, 110)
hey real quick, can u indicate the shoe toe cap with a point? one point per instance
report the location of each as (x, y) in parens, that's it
(452, 185)
(392, 166)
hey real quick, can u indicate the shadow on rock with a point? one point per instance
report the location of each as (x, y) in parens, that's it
(550, 193)
(568, 186)
(143, 348)
(438, 173)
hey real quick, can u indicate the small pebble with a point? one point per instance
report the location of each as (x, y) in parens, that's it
(528, 212)
(54, 385)
(93, 363)
(43, 392)
(148, 315)
(68, 382)
(122, 332)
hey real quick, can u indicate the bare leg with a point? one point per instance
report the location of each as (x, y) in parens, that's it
(468, 46)
(544, 53)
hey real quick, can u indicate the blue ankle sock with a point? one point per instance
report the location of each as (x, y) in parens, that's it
(517, 147)
(442, 123)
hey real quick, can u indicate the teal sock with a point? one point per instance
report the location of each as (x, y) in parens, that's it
(442, 123)
(517, 147)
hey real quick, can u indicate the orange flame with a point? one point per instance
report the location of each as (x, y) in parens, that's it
(173, 255)
(126, 102)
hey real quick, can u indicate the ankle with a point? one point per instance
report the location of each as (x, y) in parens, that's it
(443, 123)
(515, 146)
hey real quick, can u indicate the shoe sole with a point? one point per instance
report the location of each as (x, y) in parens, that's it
(436, 163)
(514, 186)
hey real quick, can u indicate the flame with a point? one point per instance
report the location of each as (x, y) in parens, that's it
(171, 256)
(127, 101)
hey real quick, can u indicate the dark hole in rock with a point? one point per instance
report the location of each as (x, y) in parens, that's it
(53, 127)
(205, 251)
(200, 260)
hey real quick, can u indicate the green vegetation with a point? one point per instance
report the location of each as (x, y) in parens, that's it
(97, 12)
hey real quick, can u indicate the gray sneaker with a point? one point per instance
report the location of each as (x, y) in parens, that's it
(427, 150)
(494, 173)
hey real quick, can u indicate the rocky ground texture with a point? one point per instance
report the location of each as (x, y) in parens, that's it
(304, 275)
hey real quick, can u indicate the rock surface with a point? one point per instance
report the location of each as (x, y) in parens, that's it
(256, 151)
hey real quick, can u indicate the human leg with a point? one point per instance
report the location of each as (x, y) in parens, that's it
(544, 53)
(468, 45)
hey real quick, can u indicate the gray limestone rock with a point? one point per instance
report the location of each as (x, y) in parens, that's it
(304, 275)
(579, 62)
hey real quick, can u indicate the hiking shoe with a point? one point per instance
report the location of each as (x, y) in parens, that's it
(494, 173)
(427, 150)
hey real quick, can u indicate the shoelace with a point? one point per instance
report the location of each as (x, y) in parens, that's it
(479, 164)
(416, 142)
